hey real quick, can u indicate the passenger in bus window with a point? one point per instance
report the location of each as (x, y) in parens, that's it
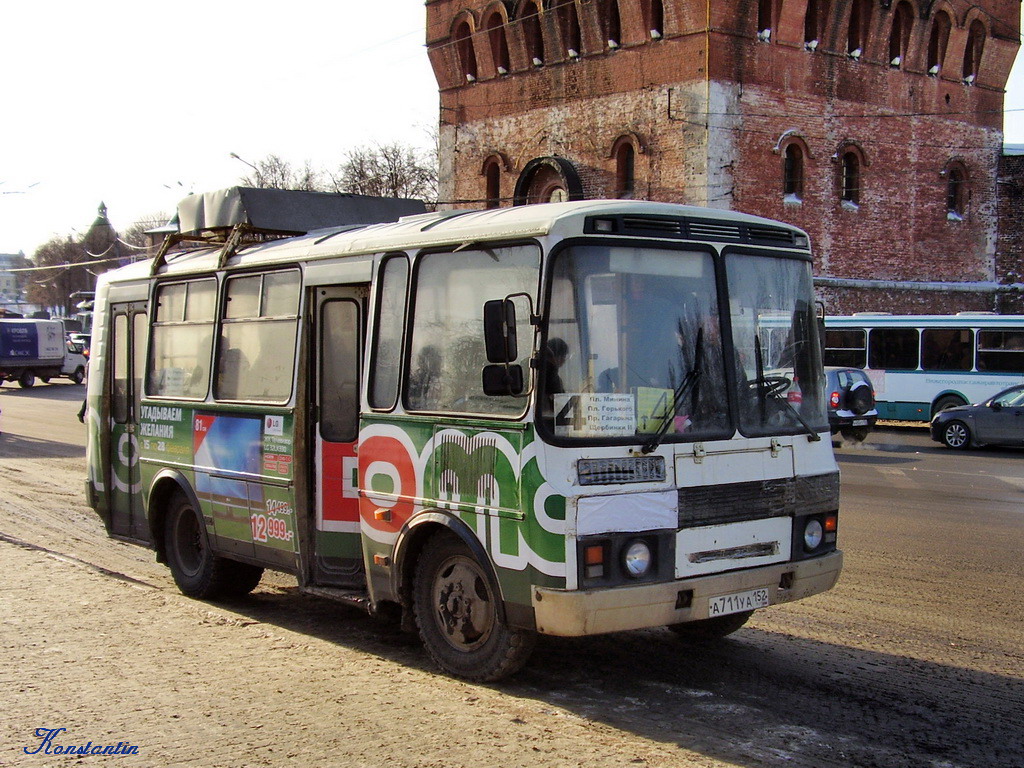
(424, 379)
(554, 358)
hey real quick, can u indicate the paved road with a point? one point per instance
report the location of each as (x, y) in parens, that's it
(915, 659)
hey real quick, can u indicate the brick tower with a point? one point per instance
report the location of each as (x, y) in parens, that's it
(876, 125)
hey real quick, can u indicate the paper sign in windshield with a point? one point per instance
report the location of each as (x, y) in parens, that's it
(653, 408)
(594, 414)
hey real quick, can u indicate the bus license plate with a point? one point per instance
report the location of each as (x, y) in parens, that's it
(860, 422)
(738, 601)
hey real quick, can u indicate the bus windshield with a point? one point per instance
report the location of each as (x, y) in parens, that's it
(780, 381)
(635, 350)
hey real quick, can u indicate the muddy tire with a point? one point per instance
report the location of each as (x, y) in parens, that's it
(707, 630)
(459, 617)
(197, 571)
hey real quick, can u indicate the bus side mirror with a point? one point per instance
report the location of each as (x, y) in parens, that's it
(503, 379)
(500, 331)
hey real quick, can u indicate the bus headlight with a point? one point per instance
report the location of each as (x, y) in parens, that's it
(636, 559)
(813, 534)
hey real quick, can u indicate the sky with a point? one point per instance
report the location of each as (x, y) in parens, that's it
(136, 104)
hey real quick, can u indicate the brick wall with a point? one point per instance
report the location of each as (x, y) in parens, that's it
(1010, 245)
(711, 108)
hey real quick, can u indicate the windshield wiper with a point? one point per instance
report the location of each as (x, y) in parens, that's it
(772, 387)
(690, 381)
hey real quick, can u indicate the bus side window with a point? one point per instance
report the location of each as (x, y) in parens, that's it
(179, 364)
(258, 332)
(446, 349)
(1001, 350)
(385, 366)
(947, 349)
(845, 347)
(894, 348)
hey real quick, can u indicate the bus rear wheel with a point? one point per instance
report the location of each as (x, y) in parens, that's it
(459, 618)
(947, 402)
(706, 630)
(197, 571)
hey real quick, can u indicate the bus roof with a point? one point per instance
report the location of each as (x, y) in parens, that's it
(959, 320)
(438, 229)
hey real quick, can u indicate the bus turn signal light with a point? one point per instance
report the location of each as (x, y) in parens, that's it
(593, 560)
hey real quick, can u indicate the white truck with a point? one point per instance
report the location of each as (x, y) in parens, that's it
(37, 349)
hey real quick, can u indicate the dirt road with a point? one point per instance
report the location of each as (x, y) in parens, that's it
(914, 660)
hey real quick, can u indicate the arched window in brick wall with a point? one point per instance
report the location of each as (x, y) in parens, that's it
(624, 151)
(814, 23)
(533, 35)
(625, 170)
(611, 23)
(495, 26)
(793, 172)
(973, 51)
(654, 16)
(899, 33)
(857, 30)
(957, 192)
(569, 23)
(464, 50)
(492, 181)
(937, 42)
(849, 177)
(764, 20)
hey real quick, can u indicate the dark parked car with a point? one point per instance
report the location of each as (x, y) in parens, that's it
(997, 421)
(851, 402)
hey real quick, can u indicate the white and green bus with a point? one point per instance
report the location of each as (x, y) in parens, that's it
(559, 419)
(923, 364)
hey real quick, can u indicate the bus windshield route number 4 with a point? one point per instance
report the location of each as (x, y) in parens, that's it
(570, 418)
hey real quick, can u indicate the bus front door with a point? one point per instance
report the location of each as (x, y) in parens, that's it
(339, 323)
(128, 348)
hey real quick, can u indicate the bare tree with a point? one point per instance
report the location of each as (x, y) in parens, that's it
(51, 288)
(389, 170)
(382, 170)
(135, 235)
(274, 172)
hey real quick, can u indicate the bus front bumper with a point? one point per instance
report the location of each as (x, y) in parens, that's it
(574, 613)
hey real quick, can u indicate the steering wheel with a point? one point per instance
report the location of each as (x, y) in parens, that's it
(771, 385)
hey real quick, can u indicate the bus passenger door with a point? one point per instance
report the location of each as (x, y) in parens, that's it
(128, 361)
(339, 324)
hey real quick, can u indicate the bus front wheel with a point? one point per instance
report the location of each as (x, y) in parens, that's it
(459, 618)
(704, 630)
(197, 571)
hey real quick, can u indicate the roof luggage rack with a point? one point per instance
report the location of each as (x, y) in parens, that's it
(239, 216)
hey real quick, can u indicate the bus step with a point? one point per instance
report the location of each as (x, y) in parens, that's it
(353, 597)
